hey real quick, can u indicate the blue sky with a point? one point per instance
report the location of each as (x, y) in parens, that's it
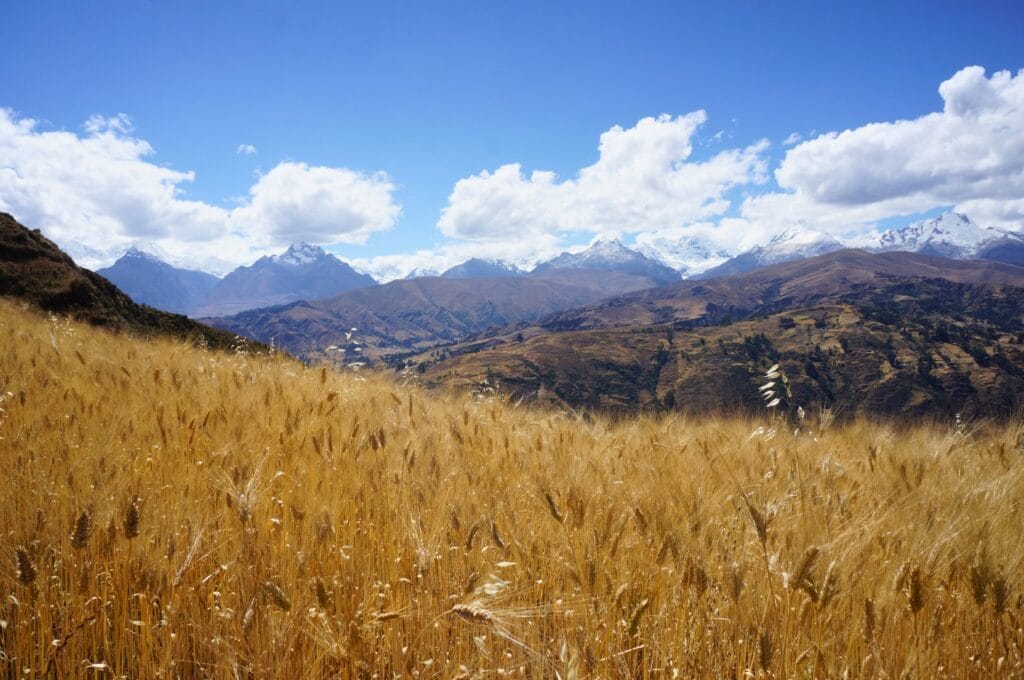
(435, 93)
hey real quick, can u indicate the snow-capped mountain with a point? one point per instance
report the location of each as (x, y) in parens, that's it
(419, 273)
(690, 255)
(952, 235)
(86, 256)
(303, 272)
(481, 268)
(95, 258)
(610, 254)
(795, 243)
(299, 254)
(150, 280)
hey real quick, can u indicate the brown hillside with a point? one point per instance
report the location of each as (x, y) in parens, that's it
(34, 269)
(915, 347)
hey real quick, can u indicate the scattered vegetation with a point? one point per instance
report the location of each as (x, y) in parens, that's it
(174, 512)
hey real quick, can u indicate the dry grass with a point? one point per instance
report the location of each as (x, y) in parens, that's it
(168, 512)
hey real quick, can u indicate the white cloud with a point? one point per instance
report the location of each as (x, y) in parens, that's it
(792, 138)
(969, 155)
(642, 181)
(102, 189)
(246, 150)
(98, 187)
(298, 202)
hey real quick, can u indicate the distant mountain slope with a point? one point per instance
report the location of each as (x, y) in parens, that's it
(896, 347)
(1008, 248)
(303, 272)
(149, 280)
(480, 268)
(34, 269)
(610, 255)
(413, 315)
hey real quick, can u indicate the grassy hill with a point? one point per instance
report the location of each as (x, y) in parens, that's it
(174, 512)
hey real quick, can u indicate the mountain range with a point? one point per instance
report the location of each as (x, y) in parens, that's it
(301, 272)
(951, 235)
(306, 272)
(891, 333)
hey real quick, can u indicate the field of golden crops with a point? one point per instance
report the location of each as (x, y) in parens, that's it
(170, 512)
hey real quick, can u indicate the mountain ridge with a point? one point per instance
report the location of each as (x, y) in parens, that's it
(35, 270)
(905, 334)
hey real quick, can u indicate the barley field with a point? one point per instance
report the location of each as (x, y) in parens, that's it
(169, 512)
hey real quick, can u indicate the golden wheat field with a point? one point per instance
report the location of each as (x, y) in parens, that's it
(169, 512)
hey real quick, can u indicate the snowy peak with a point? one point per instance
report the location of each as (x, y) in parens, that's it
(603, 251)
(697, 249)
(482, 268)
(421, 272)
(300, 254)
(609, 250)
(610, 254)
(690, 255)
(796, 242)
(951, 234)
(136, 253)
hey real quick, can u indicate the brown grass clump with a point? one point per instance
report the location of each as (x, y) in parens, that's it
(299, 522)
(26, 569)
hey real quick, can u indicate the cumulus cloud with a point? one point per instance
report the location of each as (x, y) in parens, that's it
(298, 202)
(642, 181)
(102, 188)
(100, 184)
(246, 150)
(969, 155)
(792, 138)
